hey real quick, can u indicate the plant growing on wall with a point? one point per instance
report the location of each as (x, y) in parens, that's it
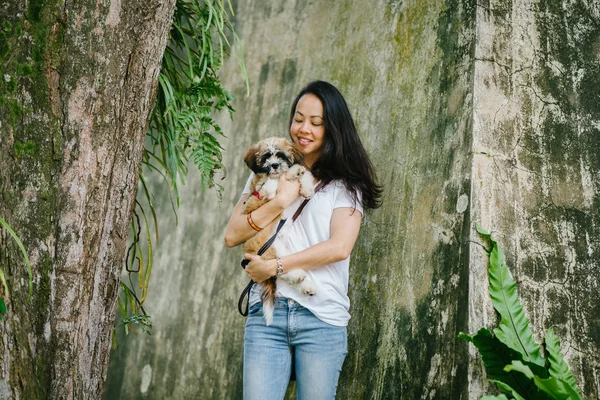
(182, 129)
(512, 358)
(6, 293)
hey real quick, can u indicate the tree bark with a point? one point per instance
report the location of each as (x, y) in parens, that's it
(77, 87)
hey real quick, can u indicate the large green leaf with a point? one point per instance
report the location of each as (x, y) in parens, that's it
(558, 367)
(496, 356)
(513, 330)
(554, 387)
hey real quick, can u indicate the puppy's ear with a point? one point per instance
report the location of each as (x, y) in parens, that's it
(250, 158)
(297, 156)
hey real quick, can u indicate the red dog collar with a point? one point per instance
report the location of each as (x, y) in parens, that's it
(255, 193)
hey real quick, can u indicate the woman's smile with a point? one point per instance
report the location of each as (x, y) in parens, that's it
(303, 141)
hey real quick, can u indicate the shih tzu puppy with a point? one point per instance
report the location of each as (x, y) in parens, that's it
(268, 159)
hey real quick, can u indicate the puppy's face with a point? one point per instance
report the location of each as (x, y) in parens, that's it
(272, 156)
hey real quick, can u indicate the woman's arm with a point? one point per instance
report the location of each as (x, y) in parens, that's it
(344, 228)
(238, 230)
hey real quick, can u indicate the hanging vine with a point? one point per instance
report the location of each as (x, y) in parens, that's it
(182, 130)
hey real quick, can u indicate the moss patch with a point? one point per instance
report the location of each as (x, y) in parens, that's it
(25, 148)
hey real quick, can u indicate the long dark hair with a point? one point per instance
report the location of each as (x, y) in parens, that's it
(343, 155)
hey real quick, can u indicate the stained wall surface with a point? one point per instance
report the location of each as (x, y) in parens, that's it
(439, 93)
(536, 169)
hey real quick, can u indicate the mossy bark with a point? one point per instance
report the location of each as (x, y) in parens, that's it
(77, 87)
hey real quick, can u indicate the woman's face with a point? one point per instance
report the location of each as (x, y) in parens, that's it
(308, 130)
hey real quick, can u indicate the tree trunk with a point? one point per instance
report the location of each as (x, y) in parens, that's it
(78, 83)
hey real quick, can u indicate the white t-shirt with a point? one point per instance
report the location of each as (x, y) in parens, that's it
(330, 303)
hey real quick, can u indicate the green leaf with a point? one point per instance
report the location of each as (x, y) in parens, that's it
(554, 387)
(114, 339)
(499, 397)
(3, 280)
(2, 308)
(122, 308)
(482, 231)
(26, 258)
(507, 389)
(181, 126)
(558, 367)
(513, 330)
(496, 356)
(150, 204)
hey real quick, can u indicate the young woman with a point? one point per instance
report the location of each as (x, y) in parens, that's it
(308, 331)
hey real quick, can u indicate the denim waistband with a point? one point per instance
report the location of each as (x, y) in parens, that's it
(286, 302)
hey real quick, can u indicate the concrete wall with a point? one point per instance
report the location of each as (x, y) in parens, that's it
(433, 85)
(536, 168)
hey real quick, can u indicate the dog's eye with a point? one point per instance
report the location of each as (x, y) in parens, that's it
(284, 157)
(265, 157)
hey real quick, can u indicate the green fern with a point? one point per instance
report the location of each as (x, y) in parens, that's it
(553, 387)
(558, 367)
(512, 358)
(181, 129)
(514, 330)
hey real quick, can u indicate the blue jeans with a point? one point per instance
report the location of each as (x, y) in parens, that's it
(318, 351)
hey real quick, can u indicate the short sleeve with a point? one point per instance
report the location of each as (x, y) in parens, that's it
(247, 187)
(343, 198)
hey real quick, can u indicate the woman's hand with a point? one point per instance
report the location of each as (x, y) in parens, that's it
(287, 191)
(258, 269)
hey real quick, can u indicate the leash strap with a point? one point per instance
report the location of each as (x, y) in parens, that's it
(265, 247)
(267, 244)
(246, 291)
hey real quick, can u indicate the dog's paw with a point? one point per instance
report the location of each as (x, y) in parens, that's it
(306, 191)
(307, 185)
(294, 277)
(295, 172)
(307, 288)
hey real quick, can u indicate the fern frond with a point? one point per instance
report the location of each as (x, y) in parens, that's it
(553, 387)
(496, 356)
(558, 367)
(513, 330)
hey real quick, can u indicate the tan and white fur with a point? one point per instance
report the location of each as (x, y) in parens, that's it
(268, 159)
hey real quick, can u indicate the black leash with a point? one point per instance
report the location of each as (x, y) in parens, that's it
(268, 243)
(246, 291)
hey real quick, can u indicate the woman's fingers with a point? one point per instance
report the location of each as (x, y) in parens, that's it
(251, 268)
(257, 269)
(288, 190)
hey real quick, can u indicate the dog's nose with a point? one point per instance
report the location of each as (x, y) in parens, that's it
(274, 166)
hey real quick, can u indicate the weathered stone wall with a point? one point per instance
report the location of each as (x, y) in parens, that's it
(433, 86)
(536, 169)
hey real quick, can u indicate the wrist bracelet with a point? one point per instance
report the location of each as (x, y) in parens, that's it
(252, 224)
(279, 267)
